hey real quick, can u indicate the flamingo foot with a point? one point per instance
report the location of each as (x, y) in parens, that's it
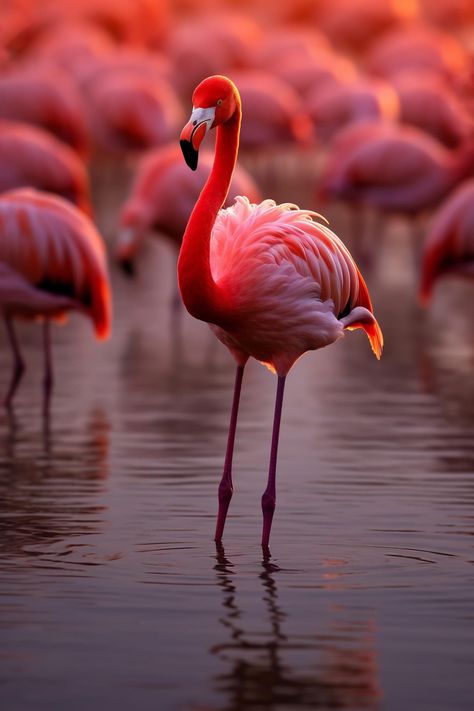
(224, 497)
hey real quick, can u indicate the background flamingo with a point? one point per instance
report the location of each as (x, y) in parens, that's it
(392, 168)
(45, 97)
(52, 261)
(334, 106)
(271, 281)
(449, 244)
(428, 102)
(162, 198)
(128, 112)
(31, 157)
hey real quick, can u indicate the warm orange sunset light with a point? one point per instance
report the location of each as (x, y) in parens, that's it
(236, 355)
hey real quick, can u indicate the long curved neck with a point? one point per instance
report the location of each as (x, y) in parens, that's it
(199, 292)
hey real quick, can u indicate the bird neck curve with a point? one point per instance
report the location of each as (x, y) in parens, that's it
(201, 295)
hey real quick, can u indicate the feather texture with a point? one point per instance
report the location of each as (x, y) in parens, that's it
(55, 249)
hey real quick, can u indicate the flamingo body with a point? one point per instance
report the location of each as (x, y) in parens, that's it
(392, 168)
(58, 252)
(449, 245)
(294, 286)
(52, 261)
(45, 97)
(334, 106)
(428, 103)
(31, 157)
(275, 113)
(131, 112)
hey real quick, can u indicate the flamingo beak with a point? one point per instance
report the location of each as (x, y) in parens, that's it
(193, 133)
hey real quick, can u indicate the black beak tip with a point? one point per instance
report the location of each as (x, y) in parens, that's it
(190, 154)
(127, 267)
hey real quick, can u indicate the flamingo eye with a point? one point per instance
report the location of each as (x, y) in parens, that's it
(219, 102)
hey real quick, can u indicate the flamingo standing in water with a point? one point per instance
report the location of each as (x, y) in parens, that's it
(449, 245)
(52, 261)
(270, 280)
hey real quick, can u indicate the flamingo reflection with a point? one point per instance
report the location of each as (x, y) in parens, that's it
(259, 669)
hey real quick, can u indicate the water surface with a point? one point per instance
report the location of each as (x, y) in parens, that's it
(112, 592)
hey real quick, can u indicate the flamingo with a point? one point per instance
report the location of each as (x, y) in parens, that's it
(162, 198)
(392, 168)
(428, 102)
(417, 47)
(271, 281)
(52, 261)
(44, 96)
(275, 113)
(130, 112)
(334, 106)
(353, 24)
(31, 157)
(449, 245)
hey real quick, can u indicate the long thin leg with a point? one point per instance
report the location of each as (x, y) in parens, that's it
(18, 363)
(225, 487)
(269, 495)
(48, 367)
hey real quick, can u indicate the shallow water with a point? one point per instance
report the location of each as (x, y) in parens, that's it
(113, 594)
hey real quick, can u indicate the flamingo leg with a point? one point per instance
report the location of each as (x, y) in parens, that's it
(225, 487)
(48, 367)
(18, 364)
(269, 495)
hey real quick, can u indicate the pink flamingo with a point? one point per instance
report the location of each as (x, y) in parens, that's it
(336, 105)
(45, 97)
(274, 115)
(428, 102)
(52, 261)
(270, 280)
(130, 112)
(417, 48)
(162, 198)
(31, 157)
(449, 245)
(392, 168)
(353, 24)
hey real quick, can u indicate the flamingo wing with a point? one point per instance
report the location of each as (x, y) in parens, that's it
(57, 250)
(295, 273)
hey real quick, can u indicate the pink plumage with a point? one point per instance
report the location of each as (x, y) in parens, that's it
(428, 102)
(57, 250)
(337, 105)
(52, 261)
(290, 274)
(392, 168)
(130, 112)
(163, 195)
(31, 157)
(45, 97)
(449, 244)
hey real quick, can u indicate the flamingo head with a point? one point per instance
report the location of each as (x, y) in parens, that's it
(215, 100)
